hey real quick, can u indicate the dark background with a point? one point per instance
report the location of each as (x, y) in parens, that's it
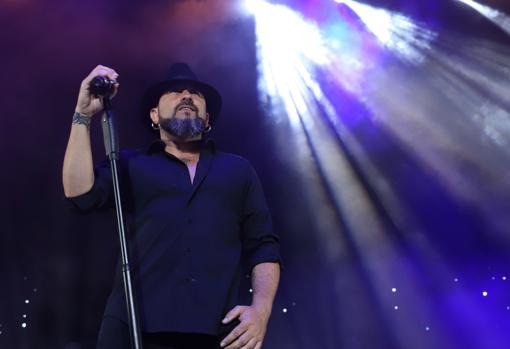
(62, 261)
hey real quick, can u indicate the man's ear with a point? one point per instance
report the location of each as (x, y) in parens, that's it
(207, 118)
(154, 114)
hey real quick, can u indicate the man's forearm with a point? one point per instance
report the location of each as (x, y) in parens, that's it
(78, 169)
(265, 279)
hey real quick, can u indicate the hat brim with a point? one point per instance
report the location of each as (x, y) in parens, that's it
(211, 95)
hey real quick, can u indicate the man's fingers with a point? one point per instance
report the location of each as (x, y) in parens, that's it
(88, 104)
(232, 336)
(115, 90)
(258, 345)
(235, 312)
(250, 345)
(98, 70)
(241, 341)
(102, 71)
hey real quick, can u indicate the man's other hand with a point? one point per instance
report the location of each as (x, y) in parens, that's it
(249, 334)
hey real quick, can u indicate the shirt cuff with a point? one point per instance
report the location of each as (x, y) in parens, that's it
(88, 200)
(268, 252)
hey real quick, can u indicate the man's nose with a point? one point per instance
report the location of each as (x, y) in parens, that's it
(186, 99)
(186, 96)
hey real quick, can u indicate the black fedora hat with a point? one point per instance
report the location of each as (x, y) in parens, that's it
(181, 74)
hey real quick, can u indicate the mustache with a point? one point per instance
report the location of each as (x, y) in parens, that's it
(187, 104)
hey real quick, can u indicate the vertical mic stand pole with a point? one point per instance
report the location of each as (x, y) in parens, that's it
(112, 152)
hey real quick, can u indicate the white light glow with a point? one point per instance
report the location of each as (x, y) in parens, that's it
(395, 31)
(282, 50)
(291, 49)
(497, 17)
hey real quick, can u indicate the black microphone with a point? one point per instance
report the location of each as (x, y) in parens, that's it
(101, 86)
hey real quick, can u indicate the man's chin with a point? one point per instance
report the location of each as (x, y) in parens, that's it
(183, 128)
(183, 138)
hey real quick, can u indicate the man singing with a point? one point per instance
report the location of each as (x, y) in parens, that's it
(197, 217)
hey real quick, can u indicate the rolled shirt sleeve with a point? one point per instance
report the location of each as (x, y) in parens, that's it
(101, 194)
(260, 243)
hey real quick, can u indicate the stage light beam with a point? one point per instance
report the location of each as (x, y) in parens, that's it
(437, 108)
(292, 93)
(497, 17)
(394, 31)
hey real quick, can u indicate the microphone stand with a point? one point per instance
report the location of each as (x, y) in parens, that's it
(112, 152)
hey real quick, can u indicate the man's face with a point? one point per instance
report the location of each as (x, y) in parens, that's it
(182, 113)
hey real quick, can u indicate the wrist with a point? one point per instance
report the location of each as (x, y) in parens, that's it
(80, 110)
(81, 119)
(262, 308)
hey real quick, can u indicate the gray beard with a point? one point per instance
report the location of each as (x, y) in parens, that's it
(183, 128)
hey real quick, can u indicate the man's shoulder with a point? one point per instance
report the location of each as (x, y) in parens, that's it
(235, 164)
(126, 155)
(233, 159)
(129, 153)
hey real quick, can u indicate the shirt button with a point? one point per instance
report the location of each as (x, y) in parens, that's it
(190, 279)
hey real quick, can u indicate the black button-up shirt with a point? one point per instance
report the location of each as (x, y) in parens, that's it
(188, 240)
